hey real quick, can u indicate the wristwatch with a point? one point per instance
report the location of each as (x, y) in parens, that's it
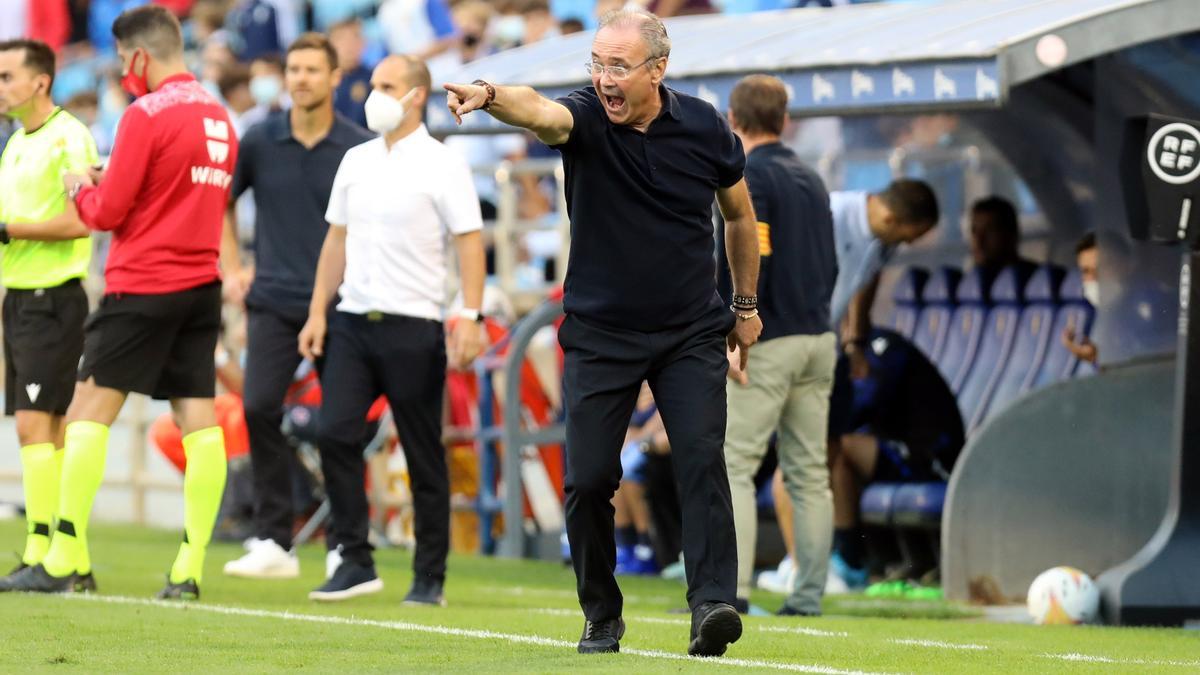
(470, 315)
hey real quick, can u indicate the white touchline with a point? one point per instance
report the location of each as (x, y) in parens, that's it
(1086, 658)
(448, 630)
(936, 643)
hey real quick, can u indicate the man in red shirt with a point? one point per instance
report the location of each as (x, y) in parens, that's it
(163, 198)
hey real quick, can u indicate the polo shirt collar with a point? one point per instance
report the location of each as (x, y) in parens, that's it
(281, 129)
(419, 134)
(670, 103)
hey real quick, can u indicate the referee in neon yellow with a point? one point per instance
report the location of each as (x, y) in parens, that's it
(45, 256)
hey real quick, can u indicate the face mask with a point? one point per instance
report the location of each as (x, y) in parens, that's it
(1091, 292)
(384, 113)
(15, 111)
(265, 89)
(136, 85)
(510, 29)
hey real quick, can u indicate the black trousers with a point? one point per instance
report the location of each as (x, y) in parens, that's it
(271, 361)
(404, 359)
(686, 369)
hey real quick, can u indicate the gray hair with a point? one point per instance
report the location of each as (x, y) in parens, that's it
(649, 26)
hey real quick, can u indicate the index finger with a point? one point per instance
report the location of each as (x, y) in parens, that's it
(745, 358)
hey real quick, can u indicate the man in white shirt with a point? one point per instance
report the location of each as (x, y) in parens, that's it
(393, 201)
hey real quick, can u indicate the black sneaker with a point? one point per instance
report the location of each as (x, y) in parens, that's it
(788, 610)
(426, 591)
(85, 583)
(715, 625)
(185, 590)
(350, 580)
(602, 637)
(15, 571)
(37, 580)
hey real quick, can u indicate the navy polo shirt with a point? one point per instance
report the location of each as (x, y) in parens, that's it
(351, 96)
(798, 267)
(642, 251)
(291, 193)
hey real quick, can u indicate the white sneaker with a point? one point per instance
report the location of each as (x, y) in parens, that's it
(834, 584)
(333, 560)
(265, 560)
(780, 579)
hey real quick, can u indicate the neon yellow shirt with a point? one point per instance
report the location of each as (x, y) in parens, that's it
(31, 190)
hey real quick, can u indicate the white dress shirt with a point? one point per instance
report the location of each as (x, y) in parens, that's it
(397, 205)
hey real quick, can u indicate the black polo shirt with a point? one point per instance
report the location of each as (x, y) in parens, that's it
(798, 268)
(291, 192)
(642, 252)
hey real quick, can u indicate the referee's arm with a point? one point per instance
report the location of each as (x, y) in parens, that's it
(65, 225)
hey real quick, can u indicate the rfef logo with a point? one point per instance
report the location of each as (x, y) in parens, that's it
(1174, 153)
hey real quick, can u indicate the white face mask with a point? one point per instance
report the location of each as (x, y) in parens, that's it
(385, 113)
(1091, 292)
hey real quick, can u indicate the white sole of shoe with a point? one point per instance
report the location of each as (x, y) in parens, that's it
(269, 573)
(365, 588)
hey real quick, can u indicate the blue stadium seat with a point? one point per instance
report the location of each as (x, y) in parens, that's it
(919, 505)
(995, 345)
(875, 506)
(964, 332)
(933, 323)
(1059, 363)
(1034, 333)
(907, 299)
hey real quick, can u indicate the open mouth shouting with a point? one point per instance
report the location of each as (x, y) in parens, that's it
(614, 102)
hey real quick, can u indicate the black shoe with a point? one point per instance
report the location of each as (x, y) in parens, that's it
(426, 591)
(787, 610)
(15, 571)
(350, 580)
(602, 637)
(85, 583)
(742, 605)
(186, 590)
(715, 625)
(37, 580)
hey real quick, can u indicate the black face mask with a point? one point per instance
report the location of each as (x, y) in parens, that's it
(471, 40)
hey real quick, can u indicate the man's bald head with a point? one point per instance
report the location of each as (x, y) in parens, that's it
(397, 74)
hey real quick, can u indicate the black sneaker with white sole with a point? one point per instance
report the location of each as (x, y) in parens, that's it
(350, 580)
(85, 583)
(187, 590)
(602, 637)
(36, 579)
(715, 625)
(426, 591)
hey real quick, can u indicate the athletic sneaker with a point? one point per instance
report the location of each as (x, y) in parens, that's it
(781, 579)
(333, 560)
(15, 571)
(85, 583)
(602, 637)
(639, 562)
(349, 581)
(187, 589)
(426, 591)
(36, 579)
(788, 610)
(715, 625)
(265, 559)
(854, 578)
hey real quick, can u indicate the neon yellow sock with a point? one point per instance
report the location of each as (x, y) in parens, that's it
(40, 482)
(82, 472)
(203, 487)
(84, 558)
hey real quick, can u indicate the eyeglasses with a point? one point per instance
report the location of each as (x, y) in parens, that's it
(615, 72)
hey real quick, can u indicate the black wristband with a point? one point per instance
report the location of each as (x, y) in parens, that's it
(745, 301)
(4, 238)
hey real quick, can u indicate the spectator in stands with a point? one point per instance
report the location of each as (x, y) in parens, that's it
(347, 39)
(215, 58)
(472, 18)
(570, 26)
(539, 23)
(290, 161)
(996, 239)
(421, 28)
(1086, 257)
(393, 201)
(266, 82)
(641, 304)
(85, 106)
(256, 25)
(788, 388)
(244, 111)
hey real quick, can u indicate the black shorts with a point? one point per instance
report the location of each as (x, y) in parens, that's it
(159, 345)
(43, 338)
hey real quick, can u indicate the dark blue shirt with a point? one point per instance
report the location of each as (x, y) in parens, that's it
(291, 192)
(798, 267)
(642, 252)
(351, 94)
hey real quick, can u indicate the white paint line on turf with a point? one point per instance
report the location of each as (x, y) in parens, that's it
(405, 626)
(937, 644)
(798, 630)
(1087, 658)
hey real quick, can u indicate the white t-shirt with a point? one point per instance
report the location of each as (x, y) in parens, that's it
(397, 206)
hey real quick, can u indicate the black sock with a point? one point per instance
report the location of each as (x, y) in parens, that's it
(626, 536)
(643, 539)
(848, 543)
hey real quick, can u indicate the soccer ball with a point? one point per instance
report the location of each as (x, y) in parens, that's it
(1063, 595)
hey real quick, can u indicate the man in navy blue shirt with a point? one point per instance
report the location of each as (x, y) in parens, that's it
(642, 165)
(351, 96)
(289, 160)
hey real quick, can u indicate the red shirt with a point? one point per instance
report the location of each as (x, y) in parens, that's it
(165, 189)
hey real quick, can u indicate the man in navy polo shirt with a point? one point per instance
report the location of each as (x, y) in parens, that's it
(642, 165)
(289, 160)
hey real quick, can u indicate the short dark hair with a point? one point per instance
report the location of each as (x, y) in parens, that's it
(315, 41)
(911, 201)
(351, 22)
(1086, 243)
(236, 75)
(759, 104)
(1002, 211)
(151, 27)
(39, 57)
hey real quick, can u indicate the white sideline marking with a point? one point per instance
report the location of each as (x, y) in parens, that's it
(447, 630)
(937, 644)
(1087, 658)
(799, 630)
